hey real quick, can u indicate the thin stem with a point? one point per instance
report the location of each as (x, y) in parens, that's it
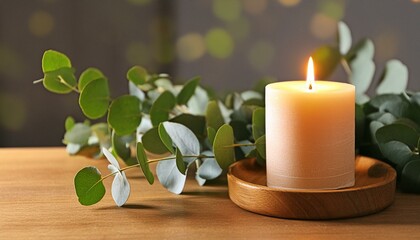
(38, 81)
(65, 83)
(346, 66)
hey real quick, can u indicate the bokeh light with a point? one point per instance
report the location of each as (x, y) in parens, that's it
(289, 3)
(254, 7)
(190, 47)
(219, 43)
(12, 112)
(227, 10)
(41, 23)
(332, 8)
(137, 53)
(261, 55)
(322, 26)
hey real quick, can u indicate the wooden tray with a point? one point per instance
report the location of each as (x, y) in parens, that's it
(373, 191)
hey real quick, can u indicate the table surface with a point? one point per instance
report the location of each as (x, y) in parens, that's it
(38, 201)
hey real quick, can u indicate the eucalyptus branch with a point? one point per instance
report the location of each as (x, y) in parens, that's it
(38, 81)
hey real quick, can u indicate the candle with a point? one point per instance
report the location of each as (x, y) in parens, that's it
(310, 134)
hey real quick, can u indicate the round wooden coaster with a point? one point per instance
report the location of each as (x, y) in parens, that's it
(373, 191)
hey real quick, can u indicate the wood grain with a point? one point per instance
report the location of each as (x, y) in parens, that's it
(373, 191)
(37, 201)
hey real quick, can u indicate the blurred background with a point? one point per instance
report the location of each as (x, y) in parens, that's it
(230, 43)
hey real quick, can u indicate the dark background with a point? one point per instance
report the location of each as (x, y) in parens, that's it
(230, 43)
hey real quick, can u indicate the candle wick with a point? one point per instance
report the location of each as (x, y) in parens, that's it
(310, 86)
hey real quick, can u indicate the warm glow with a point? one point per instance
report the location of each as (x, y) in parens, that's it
(310, 76)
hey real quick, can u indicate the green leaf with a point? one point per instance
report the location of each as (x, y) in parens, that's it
(144, 165)
(124, 114)
(78, 134)
(260, 145)
(258, 123)
(379, 100)
(394, 79)
(187, 91)
(121, 145)
(326, 59)
(165, 138)
(396, 152)
(180, 164)
(363, 69)
(211, 133)
(88, 76)
(410, 178)
(152, 142)
(137, 75)
(214, 116)
(94, 98)
(159, 112)
(60, 81)
(89, 187)
(197, 124)
(398, 108)
(69, 123)
(223, 146)
(374, 126)
(53, 60)
(387, 118)
(344, 38)
(398, 132)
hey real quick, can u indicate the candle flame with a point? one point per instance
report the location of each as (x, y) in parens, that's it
(310, 76)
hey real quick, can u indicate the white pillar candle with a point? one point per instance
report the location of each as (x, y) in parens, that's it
(310, 128)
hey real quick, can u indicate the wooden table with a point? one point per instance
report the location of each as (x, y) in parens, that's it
(38, 201)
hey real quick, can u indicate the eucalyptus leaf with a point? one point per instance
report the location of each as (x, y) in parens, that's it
(183, 139)
(89, 186)
(78, 134)
(170, 177)
(120, 189)
(53, 60)
(60, 81)
(124, 114)
(137, 75)
(94, 98)
(387, 118)
(260, 145)
(211, 133)
(344, 38)
(214, 115)
(198, 102)
(69, 123)
(152, 142)
(160, 109)
(180, 164)
(258, 123)
(121, 145)
(397, 108)
(398, 132)
(396, 152)
(364, 47)
(394, 79)
(73, 148)
(223, 146)
(143, 162)
(197, 124)
(187, 91)
(165, 138)
(379, 100)
(363, 69)
(89, 75)
(209, 169)
(135, 91)
(410, 178)
(374, 126)
(326, 59)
